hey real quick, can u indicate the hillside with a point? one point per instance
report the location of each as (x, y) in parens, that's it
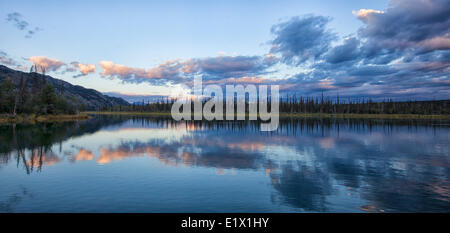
(77, 95)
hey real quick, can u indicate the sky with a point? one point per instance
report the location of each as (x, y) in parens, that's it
(396, 49)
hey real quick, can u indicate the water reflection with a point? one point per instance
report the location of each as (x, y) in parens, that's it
(313, 165)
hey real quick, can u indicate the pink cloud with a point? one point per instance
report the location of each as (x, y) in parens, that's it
(169, 71)
(437, 43)
(366, 14)
(85, 69)
(242, 80)
(49, 64)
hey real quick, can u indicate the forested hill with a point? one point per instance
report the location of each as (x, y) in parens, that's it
(85, 99)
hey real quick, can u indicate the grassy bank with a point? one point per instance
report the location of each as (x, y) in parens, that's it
(42, 118)
(298, 115)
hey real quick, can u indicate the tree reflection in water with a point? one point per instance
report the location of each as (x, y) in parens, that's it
(311, 164)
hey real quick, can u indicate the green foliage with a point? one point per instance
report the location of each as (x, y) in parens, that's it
(325, 105)
(7, 96)
(39, 101)
(48, 99)
(64, 107)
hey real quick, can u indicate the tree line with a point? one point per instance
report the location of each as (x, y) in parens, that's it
(39, 98)
(321, 104)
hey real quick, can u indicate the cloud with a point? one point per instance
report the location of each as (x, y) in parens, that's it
(400, 52)
(50, 64)
(17, 20)
(302, 38)
(366, 14)
(6, 60)
(348, 51)
(246, 80)
(418, 26)
(30, 33)
(242, 80)
(229, 66)
(371, 70)
(136, 98)
(166, 72)
(85, 69)
(182, 71)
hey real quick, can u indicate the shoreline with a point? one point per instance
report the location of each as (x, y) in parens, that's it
(41, 119)
(5, 119)
(299, 115)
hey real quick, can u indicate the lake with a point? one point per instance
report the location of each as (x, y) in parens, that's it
(138, 164)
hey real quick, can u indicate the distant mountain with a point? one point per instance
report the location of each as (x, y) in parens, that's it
(137, 99)
(78, 95)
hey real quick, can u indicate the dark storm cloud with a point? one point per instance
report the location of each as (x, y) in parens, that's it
(302, 38)
(372, 70)
(403, 51)
(348, 51)
(418, 26)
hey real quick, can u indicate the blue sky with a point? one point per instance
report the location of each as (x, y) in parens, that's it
(141, 35)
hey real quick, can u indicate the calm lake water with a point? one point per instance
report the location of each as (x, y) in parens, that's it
(132, 164)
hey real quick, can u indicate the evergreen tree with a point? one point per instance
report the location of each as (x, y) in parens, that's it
(48, 99)
(8, 96)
